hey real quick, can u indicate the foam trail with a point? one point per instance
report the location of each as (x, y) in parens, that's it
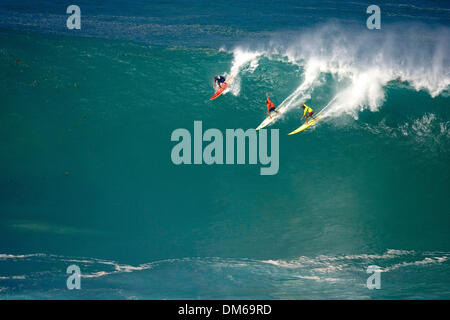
(241, 59)
(303, 91)
(324, 110)
(312, 72)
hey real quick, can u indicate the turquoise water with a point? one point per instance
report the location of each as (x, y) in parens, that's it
(87, 178)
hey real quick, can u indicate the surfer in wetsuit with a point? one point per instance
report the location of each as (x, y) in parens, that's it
(270, 106)
(219, 80)
(307, 112)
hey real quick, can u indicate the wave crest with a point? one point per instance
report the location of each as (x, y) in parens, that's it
(361, 62)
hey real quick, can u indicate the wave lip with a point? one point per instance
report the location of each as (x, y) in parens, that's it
(361, 63)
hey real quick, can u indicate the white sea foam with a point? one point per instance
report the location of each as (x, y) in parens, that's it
(319, 279)
(315, 268)
(20, 277)
(362, 63)
(427, 131)
(324, 262)
(4, 256)
(426, 261)
(321, 268)
(243, 61)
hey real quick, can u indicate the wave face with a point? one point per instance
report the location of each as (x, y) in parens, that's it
(86, 176)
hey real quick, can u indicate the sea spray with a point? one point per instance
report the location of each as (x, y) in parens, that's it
(362, 63)
(242, 59)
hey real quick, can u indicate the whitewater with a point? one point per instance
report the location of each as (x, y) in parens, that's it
(361, 64)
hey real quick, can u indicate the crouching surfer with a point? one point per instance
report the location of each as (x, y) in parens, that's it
(219, 81)
(307, 112)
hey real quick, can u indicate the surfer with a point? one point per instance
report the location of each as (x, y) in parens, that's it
(270, 106)
(307, 112)
(219, 80)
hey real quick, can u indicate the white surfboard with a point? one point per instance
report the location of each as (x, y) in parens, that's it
(272, 117)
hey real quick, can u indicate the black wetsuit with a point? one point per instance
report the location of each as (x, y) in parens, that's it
(219, 79)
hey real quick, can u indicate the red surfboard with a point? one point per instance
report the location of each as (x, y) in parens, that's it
(222, 89)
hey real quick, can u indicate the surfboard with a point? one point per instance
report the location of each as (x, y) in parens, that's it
(306, 125)
(221, 89)
(268, 120)
(273, 117)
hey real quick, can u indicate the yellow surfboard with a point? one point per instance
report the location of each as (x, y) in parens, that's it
(306, 125)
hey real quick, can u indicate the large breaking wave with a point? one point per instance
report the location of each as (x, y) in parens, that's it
(360, 62)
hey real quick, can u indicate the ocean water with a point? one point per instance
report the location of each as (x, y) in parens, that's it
(86, 173)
